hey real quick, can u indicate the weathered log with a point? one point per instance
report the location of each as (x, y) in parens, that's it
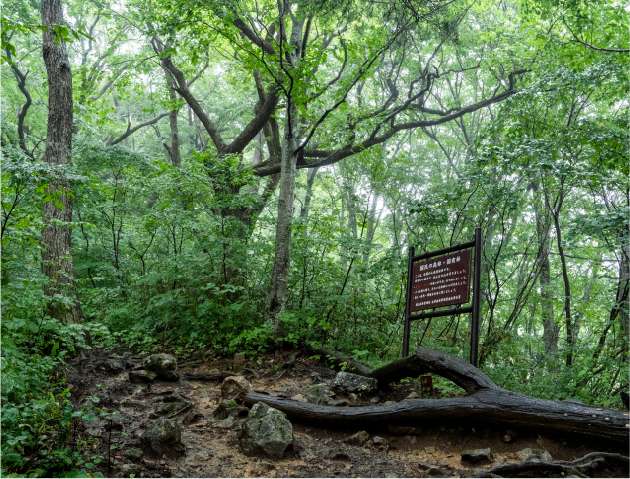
(426, 361)
(486, 404)
(598, 464)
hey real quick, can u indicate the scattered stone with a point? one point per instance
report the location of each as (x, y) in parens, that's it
(508, 437)
(193, 417)
(429, 450)
(375, 400)
(358, 438)
(379, 441)
(171, 406)
(412, 395)
(318, 393)
(433, 470)
(354, 383)
(162, 364)
(229, 408)
(534, 455)
(340, 456)
(163, 437)
(142, 376)
(134, 453)
(299, 397)
(133, 403)
(353, 397)
(227, 423)
(266, 430)
(235, 388)
(129, 470)
(112, 365)
(477, 456)
(338, 402)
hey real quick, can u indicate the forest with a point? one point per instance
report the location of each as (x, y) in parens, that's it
(207, 212)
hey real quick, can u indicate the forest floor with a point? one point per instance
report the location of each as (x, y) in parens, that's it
(212, 448)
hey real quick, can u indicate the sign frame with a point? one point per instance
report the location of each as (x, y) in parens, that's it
(474, 308)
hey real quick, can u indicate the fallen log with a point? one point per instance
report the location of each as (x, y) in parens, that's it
(486, 403)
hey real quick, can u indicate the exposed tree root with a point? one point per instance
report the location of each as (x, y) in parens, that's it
(486, 403)
(594, 464)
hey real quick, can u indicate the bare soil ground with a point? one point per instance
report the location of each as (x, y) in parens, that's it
(212, 448)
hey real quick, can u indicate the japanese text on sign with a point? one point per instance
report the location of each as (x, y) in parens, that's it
(441, 281)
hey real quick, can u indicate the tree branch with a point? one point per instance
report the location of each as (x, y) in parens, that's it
(131, 130)
(328, 157)
(593, 47)
(20, 77)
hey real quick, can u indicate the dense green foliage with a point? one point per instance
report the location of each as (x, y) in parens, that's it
(162, 261)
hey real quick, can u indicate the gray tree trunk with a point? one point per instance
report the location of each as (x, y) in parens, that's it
(288, 166)
(372, 225)
(282, 258)
(173, 149)
(56, 235)
(308, 195)
(551, 330)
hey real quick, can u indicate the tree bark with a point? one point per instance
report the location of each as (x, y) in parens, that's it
(550, 328)
(568, 321)
(485, 403)
(288, 167)
(56, 235)
(308, 195)
(282, 257)
(173, 149)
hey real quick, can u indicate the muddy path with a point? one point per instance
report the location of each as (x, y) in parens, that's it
(211, 445)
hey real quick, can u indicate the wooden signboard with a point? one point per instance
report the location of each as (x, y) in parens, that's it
(439, 279)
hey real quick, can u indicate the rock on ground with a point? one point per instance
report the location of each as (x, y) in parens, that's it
(379, 441)
(358, 438)
(534, 455)
(318, 393)
(163, 365)
(266, 430)
(235, 388)
(142, 376)
(477, 456)
(163, 437)
(354, 383)
(229, 408)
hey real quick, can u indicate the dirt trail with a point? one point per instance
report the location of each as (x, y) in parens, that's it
(212, 446)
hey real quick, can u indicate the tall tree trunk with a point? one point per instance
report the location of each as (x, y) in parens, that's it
(282, 259)
(372, 225)
(550, 328)
(308, 195)
(568, 321)
(288, 167)
(173, 149)
(623, 286)
(56, 236)
(586, 296)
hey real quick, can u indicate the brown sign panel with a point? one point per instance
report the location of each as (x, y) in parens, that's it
(441, 281)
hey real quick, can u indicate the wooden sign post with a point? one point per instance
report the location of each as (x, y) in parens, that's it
(442, 278)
